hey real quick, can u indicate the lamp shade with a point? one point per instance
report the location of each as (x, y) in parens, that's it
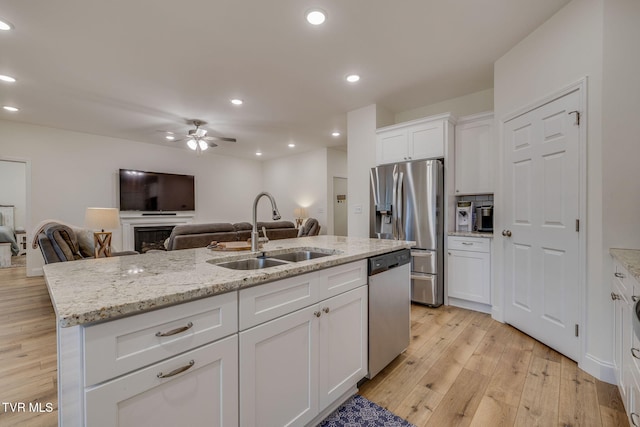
(102, 218)
(300, 212)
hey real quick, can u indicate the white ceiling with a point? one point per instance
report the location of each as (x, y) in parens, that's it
(129, 68)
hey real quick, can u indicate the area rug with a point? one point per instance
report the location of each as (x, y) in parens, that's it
(360, 412)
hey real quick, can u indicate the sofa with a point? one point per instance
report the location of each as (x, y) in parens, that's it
(200, 235)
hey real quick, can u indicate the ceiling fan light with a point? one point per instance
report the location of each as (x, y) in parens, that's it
(192, 144)
(203, 145)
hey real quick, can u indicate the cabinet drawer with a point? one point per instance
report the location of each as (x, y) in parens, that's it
(199, 388)
(266, 302)
(343, 278)
(120, 346)
(476, 244)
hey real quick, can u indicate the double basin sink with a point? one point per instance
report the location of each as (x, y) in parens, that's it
(268, 260)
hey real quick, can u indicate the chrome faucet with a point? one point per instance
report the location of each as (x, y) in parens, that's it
(276, 216)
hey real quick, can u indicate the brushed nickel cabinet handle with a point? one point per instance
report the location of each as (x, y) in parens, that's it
(317, 313)
(634, 298)
(506, 233)
(634, 417)
(326, 309)
(467, 243)
(635, 352)
(620, 275)
(614, 296)
(175, 331)
(177, 371)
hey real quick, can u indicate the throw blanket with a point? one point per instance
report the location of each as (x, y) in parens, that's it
(7, 236)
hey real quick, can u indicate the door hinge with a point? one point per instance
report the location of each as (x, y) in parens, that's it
(577, 225)
(577, 329)
(577, 116)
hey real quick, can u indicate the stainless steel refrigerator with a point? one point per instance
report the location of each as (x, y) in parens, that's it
(407, 204)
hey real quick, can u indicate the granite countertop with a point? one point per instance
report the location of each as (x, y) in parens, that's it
(486, 235)
(630, 260)
(95, 290)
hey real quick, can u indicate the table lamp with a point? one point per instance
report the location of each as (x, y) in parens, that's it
(300, 214)
(102, 218)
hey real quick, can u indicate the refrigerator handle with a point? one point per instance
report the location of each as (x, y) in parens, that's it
(400, 215)
(394, 207)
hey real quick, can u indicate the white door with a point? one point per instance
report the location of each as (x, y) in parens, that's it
(469, 276)
(340, 206)
(542, 295)
(343, 344)
(279, 371)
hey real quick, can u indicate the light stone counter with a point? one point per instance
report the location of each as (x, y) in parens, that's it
(486, 235)
(94, 290)
(630, 260)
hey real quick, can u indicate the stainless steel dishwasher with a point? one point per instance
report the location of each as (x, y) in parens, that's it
(389, 308)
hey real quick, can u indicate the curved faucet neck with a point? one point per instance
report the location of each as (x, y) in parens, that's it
(276, 216)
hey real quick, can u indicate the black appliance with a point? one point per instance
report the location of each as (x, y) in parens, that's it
(156, 192)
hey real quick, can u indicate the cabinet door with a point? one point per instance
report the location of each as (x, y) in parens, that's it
(391, 146)
(469, 276)
(200, 389)
(473, 157)
(343, 343)
(425, 140)
(279, 371)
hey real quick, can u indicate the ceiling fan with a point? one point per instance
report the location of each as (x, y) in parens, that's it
(198, 140)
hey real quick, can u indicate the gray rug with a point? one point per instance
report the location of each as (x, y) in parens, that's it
(361, 412)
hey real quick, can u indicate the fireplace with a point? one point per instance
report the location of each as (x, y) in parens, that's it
(132, 220)
(152, 237)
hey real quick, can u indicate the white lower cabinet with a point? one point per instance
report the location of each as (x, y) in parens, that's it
(197, 388)
(293, 367)
(469, 272)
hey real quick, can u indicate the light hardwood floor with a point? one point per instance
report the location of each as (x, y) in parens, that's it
(462, 368)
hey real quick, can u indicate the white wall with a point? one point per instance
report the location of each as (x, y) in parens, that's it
(13, 189)
(299, 181)
(71, 171)
(466, 105)
(563, 50)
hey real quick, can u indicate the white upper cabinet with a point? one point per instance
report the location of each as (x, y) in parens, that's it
(414, 140)
(474, 153)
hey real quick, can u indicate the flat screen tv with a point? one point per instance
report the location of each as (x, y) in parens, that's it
(156, 192)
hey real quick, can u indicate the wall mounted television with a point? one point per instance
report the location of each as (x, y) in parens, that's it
(156, 192)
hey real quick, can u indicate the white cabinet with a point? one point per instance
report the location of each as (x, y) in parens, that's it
(418, 139)
(469, 272)
(165, 367)
(198, 388)
(474, 154)
(626, 345)
(295, 366)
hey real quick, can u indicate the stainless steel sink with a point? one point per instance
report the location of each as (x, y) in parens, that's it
(299, 256)
(251, 263)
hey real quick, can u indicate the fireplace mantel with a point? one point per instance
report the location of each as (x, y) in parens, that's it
(130, 220)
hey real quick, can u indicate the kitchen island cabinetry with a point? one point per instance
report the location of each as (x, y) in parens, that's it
(294, 367)
(625, 290)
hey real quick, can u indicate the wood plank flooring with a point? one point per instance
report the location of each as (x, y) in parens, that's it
(462, 368)
(465, 369)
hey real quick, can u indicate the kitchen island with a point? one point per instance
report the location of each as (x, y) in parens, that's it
(173, 337)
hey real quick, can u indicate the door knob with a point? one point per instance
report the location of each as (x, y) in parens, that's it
(506, 233)
(614, 296)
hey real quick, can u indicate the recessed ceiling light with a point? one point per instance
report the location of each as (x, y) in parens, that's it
(237, 101)
(5, 26)
(7, 79)
(170, 137)
(292, 145)
(352, 78)
(316, 16)
(258, 153)
(336, 134)
(10, 108)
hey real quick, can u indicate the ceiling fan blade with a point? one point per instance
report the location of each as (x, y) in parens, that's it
(212, 144)
(219, 138)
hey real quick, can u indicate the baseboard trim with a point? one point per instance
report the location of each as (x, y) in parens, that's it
(470, 305)
(604, 371)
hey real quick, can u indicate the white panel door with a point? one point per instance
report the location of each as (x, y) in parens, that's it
(343, 343)
(469, 276)
(542, 245)
(279, 371)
